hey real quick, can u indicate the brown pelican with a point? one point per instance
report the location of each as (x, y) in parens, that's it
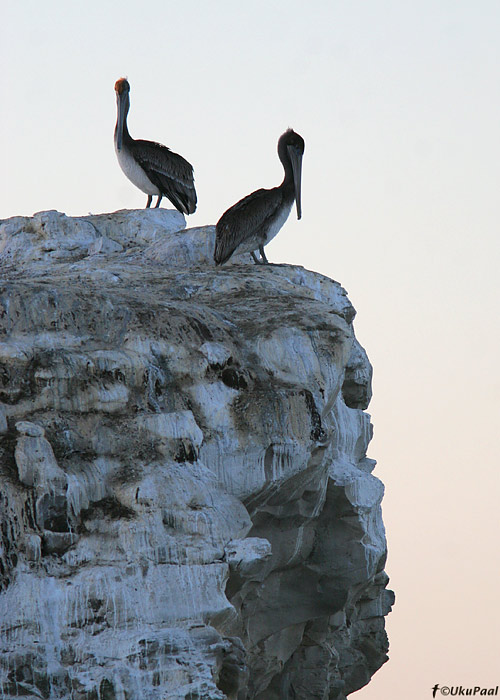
(153, 168)
(256, 219)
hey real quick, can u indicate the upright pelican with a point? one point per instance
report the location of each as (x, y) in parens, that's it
(153, 168)
(256, 219)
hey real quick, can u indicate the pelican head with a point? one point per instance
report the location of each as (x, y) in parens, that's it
(122, 89)
(290, 151)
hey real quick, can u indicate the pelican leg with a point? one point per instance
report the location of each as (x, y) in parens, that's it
(160, 197)
(256, 259)
(265, 261)
(150, 199)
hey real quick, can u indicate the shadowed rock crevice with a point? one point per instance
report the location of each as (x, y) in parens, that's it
(187, 509)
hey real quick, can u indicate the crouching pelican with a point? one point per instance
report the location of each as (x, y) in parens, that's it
(153, 168)
(253, 221)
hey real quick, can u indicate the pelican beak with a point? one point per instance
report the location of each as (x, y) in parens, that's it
(296, 160)
(121, 101)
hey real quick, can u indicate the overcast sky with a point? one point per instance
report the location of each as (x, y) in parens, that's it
(399, 105)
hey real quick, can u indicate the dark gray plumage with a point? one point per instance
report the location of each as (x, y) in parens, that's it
(153, 168)
(253, 221)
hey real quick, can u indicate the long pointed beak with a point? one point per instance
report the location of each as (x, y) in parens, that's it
(122, 112)
(296, 160)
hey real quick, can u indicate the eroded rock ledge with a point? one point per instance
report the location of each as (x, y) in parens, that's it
(187, 509)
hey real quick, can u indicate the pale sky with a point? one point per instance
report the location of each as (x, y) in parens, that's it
(399, 105)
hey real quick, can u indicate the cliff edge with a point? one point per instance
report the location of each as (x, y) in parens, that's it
(187, 511)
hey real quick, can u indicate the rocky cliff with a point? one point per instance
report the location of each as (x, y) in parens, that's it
(187, 510)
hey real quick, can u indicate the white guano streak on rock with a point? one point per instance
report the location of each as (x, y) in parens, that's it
(172, 425)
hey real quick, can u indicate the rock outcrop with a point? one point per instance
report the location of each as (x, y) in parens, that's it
(187, 510)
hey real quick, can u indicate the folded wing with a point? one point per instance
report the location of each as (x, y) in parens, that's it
(170, 172)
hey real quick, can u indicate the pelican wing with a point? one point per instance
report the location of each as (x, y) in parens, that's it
(243, 222)
(170, 172)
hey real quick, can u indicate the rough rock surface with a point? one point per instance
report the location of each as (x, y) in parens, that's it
(186, 506)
